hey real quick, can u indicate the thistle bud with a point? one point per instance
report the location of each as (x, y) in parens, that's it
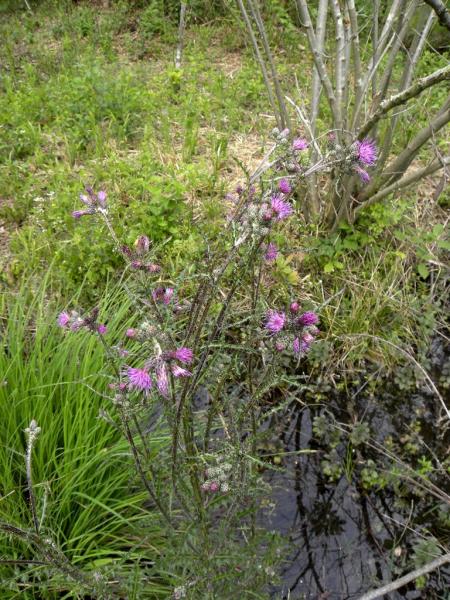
(142, 245)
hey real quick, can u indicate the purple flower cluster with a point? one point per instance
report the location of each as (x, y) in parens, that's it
(299, 144)
(271, 252)
(92, 201)
(160, 367)
(278, 210)
(163, 295)
(294, 330)
(73, 321)
(366, 156)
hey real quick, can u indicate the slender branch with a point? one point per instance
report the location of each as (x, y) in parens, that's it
(181, 28)
(405, 182)
(318, 61)
(32, 433)
(417, 88)
(399, 165)
(357, 69)
(321, 27)
(375, 34)
(260, 60)
(413, 56)
(398, 583)
(397, 45)
(379, 50)
(339, 60)
(254, 8)
(443, 14)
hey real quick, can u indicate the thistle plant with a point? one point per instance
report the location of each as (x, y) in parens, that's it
(197, 358)
(220, 336)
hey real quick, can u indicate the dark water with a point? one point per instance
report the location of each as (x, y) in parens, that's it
(343, 539)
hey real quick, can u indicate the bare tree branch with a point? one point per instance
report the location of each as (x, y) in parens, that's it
(181, 27)
(395, 585)
(405, 182)
(318, 61)
(403, 97)
(339, 60)
(254, 8)
(413, 56)
(443, 14)
(261, 62)
(399, 165)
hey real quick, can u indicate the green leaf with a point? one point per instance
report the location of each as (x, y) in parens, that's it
(328, 268)
(423, 271)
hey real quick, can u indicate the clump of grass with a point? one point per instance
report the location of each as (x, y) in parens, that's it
(86, 500)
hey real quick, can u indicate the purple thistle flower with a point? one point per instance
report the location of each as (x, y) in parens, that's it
(281, 208)
(142, 245)
(178, 371)
(275, 321)
(162, 379)
(139, 379)
(364, 175)
(214, 486)
(101, 329)
(284, 186)
(161, 294)
(131, 333)
(294, 307)
(77, 323)
(299, 144)
(184, 355)
(271, 252)
(366, 152)
(299, 346)
(307, 338)
(77, 214)
(101, 197)
(167, 296)
(63, 319)
(152, 268)
(308, 318)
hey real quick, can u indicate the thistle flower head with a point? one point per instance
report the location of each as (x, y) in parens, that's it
(299, 144)
(163, 295)
(63, 319)
(101, 198)
(271, 252)
(308, 318)
(139, 379)
(275, 321)
(184, 355)
(178, 371)
(101, 329)
(142, 245)
(162, 379)
(299, 346)
(294, 307)
(363, 174)
(281, 208)
(366, 152)
(284, 186)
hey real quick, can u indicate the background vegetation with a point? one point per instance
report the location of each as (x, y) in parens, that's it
(89, 95)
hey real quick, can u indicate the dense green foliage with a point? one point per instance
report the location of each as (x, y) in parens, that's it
(86, 501)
